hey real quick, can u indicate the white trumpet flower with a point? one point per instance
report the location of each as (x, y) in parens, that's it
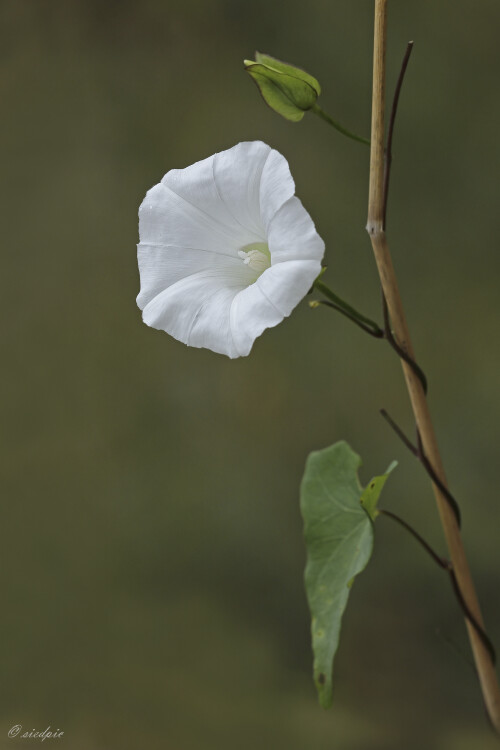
(226, 249)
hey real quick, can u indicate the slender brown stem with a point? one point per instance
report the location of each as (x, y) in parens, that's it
(375, 228)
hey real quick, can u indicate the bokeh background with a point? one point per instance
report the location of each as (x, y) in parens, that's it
(152, 552)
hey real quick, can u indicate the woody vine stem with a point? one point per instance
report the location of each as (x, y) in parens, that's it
(376, 230)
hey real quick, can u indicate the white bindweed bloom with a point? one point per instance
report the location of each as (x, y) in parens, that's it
(226, 250)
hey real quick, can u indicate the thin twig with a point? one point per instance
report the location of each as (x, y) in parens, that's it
(337, 303)
(366, 324)
(441, 561)
(470, 616)
(375, 332)
(418, 452)
(399, 432)
(446, 565)
(434, 477)
(398, 349)
(392, 122)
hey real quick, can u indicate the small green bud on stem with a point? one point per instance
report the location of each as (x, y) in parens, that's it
(290, 91)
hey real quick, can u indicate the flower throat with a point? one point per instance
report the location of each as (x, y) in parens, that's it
(256, 256)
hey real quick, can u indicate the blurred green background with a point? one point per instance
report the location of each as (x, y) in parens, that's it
(152, 551)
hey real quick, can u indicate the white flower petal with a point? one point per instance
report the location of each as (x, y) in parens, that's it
(251, 314)
(212, 328)
(196, 185)
(160, 266)
(292, 234)
(271, 298)
(196, 310)
(166, 218)
(276, 186)
(286, 283)
(238, 172)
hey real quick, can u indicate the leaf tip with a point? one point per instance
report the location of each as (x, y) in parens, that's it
(325, 692)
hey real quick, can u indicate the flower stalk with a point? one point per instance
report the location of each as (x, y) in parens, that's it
(341, 129)
(337, 303)
(376, 230)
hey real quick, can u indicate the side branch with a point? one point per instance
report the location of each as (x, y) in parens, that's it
(375, 228)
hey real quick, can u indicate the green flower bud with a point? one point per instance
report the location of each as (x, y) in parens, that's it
(288, 90)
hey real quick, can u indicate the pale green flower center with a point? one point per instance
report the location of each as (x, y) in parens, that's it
(256, 256)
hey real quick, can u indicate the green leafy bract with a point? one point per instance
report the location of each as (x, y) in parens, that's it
(338, 527)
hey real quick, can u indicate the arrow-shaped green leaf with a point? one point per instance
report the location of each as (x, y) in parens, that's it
(338, 530)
